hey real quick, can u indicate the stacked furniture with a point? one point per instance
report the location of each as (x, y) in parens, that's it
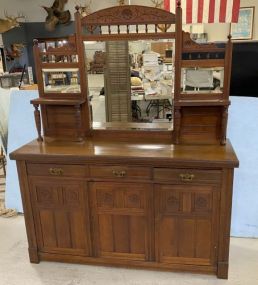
(140, 197)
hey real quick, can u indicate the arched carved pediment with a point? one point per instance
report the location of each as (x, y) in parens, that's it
(129, 14)
(191, 45)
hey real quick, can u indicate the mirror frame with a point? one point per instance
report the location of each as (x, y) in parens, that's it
(90, 28)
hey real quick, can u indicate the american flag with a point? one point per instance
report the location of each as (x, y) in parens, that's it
(206, 11)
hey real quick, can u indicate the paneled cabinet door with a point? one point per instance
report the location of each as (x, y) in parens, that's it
(121, 220)
(186, 224)
(60, 208)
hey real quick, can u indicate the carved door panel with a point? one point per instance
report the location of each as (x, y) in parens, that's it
(122, 220)
(186, 224)
(59, 208)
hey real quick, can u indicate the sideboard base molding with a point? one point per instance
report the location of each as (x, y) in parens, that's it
(127, 263)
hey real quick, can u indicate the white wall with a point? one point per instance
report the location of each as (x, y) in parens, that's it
(219, 32)
(34, 13)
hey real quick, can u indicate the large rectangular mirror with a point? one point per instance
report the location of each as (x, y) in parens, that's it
(131, 83)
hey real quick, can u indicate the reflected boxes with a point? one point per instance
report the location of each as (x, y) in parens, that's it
(65, 80)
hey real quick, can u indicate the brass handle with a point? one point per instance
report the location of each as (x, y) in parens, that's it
(56, 171)
(186, 177)
(119, 173)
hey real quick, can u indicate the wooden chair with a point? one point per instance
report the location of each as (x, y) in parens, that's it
(2, 161)
(97, 65)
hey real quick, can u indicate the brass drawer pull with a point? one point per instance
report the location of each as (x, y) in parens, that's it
(119, 173)
(187, 177)
(56, 171)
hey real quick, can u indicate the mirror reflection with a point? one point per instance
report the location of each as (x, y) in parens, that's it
(61, 80)
(131, 82)
(202, 80)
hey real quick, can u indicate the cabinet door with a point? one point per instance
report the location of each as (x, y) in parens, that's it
(186, 224)
(60, 208)
(122, 220)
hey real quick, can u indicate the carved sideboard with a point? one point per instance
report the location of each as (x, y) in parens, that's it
(151, 206)
(129, 196)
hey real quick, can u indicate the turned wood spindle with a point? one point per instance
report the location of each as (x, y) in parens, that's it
(38, 121)
(78, 121)
(177, 118)
(224, 125)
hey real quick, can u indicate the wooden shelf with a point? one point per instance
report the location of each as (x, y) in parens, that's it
(67, 102)
(201, 96)
(131, 36)
(61, 52)
(69, 65)
(203, 63)
(202, 102)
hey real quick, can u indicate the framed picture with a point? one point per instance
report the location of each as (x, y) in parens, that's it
(243, 30)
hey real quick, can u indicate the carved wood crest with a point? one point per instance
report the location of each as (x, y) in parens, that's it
(129, 14)
(191, 45)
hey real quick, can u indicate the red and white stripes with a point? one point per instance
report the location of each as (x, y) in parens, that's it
(206, 11)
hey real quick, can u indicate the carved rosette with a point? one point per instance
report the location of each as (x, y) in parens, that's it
(189, 44)
(202, 203)
(129, 14)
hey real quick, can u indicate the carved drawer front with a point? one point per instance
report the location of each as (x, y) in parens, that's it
(120, 196)
(120, 172)
(60, 215)
(187, 175)
(186, 224)
(57, 170)
(122, 220)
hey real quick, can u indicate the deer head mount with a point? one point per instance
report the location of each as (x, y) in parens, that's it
(85, 9)
(158, 4)
(10, 22)
(56, 14)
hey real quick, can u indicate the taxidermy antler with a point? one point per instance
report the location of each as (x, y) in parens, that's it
(158, 4)
(9, 22)
(56, 14)
(85, 10)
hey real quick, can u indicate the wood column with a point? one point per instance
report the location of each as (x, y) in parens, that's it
(38, 121)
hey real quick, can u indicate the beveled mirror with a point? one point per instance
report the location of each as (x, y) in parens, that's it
(130, 83)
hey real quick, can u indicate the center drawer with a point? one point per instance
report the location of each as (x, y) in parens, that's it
(187, 175)
(120, 172)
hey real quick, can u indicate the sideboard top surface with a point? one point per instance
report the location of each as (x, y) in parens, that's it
(125, 152)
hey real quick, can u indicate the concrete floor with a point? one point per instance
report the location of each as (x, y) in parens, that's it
(15, 268)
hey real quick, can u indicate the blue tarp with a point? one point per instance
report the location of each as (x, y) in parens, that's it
(21, 130)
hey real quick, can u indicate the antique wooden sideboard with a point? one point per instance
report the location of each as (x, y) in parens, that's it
(150, 198)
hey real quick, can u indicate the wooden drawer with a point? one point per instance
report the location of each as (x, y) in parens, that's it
(120, 172)
(57, 170)
(187, 175)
